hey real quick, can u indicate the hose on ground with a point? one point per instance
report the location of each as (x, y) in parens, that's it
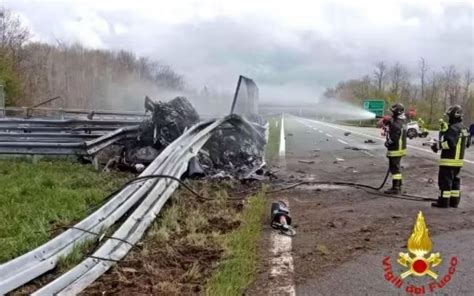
(157, 176)
(366, 188)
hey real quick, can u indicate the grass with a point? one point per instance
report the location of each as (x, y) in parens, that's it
(240, 264)
(38, 197)
(273, 144)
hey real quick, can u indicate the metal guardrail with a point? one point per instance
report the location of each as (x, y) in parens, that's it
(61, 113)
(62, 137)
(154, 193)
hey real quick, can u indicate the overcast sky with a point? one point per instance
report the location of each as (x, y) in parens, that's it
(290, 48)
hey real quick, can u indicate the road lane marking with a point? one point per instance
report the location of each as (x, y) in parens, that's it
(281, 150)
(329, 135)
(282, 263)
(343, 142)
(373, 137)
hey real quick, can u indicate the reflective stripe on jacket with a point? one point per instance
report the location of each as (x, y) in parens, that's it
(397, 138)
(453, 145)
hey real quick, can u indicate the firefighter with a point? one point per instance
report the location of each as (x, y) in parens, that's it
(452, 145)
(396, 143)
(443, 127)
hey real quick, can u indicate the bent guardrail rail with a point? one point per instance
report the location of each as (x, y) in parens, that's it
(154, 193)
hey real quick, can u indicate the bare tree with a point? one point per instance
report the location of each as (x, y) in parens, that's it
(13, 34)
(433, 93)
(380, 74)
(449, 77)
(423, 70)
(398, 75)
(468, 79)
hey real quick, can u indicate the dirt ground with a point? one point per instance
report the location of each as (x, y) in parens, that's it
(337, 224)
(182, 248)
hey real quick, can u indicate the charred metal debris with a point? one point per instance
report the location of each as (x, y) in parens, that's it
(134, 143)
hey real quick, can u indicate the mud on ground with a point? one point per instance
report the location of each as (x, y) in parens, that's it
(181, 249)
(338, 224)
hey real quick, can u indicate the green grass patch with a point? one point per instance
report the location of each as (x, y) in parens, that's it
(38, 197)
(239, 267)
(273, 144)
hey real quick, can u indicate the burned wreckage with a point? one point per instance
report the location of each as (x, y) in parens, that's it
(229, 153)
(130, 140)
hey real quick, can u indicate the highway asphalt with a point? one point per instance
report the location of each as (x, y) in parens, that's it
(340, 153)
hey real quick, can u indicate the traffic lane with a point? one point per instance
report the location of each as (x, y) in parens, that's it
(413, 149)
(303, 140)
(335, 163)
(338, 139)
(349, 140)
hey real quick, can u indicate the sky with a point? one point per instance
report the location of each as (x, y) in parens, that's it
(293, 49)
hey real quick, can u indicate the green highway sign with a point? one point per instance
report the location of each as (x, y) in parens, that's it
(375, 106)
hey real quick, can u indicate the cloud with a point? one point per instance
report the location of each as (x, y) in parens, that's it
(293, 49)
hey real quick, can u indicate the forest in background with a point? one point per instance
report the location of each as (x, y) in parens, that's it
(32, 72)
(431, 91)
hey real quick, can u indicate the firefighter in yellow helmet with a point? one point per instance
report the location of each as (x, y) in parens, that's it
(453, 144)
(443, 127)
(396, 143)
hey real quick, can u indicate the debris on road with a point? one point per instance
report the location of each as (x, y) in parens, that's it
(281, 219)
(289, 134)
(347, 134)
(306, 161)
(369, 141)
(339, 160)
(355, 148)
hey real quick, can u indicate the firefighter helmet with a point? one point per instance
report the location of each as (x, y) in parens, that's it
(397, 109)
(454, 112)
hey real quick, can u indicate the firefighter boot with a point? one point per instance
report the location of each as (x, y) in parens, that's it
(442, 202)
(396, 188)
(454, 201)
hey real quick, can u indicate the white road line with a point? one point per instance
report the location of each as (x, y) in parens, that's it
(343, 142)
(282, 263)
(329, 135)
(377, 138)
(282, 148)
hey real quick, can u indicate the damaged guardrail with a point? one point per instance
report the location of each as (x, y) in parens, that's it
(151, 196)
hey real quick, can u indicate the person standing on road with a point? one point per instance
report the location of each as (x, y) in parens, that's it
(452, 145)
(443, 127)
(396, 143)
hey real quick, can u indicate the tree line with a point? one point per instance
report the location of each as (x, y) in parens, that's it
(32, 72)
(428, 90)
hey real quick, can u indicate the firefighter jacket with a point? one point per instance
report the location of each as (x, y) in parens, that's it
(453, 145)
(396, 141)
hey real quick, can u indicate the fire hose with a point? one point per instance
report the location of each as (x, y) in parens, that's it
(367, 188)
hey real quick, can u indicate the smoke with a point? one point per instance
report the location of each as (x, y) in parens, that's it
(338, 110)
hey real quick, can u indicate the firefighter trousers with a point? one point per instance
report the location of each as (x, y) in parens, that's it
(394, 164)
(449, 181)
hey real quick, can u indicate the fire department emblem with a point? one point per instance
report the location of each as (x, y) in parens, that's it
(419, 245)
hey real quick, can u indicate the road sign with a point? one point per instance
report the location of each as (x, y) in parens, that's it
(375, 106)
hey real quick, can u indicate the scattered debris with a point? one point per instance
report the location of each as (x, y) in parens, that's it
(339, 160)
(369, 141)
(322, 249)
(306, 161)
(347, 134)
(230, 152)
(355, 148)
